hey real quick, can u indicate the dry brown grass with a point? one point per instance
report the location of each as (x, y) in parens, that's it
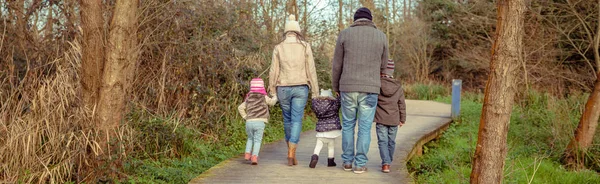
(45, 135)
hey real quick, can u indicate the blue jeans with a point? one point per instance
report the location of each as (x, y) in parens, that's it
(357, 106)
(292, 100)
(254, 130)
(386, 138)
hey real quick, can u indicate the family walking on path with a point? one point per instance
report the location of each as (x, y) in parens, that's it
(363, 89)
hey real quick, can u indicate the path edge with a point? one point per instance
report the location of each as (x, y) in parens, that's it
(417, 149)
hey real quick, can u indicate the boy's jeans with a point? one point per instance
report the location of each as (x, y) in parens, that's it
(292, 100)
(386, 138)
(254, 130)
(357, 106)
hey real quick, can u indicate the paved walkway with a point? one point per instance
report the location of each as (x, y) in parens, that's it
(425, 120)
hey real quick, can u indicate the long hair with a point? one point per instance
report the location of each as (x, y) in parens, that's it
(300, 40)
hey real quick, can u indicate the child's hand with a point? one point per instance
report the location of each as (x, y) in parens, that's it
(401, 123)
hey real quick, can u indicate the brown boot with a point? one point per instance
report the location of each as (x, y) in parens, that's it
(292, 154)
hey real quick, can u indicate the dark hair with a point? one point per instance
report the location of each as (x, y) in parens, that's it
(298, 35)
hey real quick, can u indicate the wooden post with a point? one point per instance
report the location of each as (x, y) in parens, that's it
(456, 90)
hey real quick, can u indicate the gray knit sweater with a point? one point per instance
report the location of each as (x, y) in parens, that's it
(361, 54)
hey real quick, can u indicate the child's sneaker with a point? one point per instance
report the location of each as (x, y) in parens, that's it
(347, 167)
(254, 159)
(360, 170)
(385, 168)
(247, 156)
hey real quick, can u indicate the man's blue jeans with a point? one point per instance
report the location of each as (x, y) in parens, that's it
(292, 100)
(386, 139)
(357, 106)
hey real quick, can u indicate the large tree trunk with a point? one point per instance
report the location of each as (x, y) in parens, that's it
(584, 134)
(92, 61)
(119, 67)
(488, 161)
(121, 58)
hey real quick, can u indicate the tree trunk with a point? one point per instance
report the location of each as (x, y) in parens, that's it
(404, 10)
(305, 27)
(387, 17)
(296, 9)
(121, 58)
(119, 67)
(92, 59)
(490, 152)
(69, 9)
(267, 19)
(394, 11)
(340, 16)
(584, 134)
(292, 8)
(369, 4)
(20, 23)
(408, 14)
(49, 22)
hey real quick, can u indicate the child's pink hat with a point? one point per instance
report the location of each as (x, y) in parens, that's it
(257, 85)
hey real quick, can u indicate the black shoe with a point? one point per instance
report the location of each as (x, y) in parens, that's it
(330, 162)
(313, 161)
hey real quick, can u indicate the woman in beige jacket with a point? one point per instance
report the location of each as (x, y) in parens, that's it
(291, 76)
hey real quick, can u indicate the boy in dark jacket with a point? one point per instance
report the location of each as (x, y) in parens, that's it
(390, 113)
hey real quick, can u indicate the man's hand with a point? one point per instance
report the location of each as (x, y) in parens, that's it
(401, 123)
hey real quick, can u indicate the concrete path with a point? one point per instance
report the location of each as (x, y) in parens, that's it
(425, 121)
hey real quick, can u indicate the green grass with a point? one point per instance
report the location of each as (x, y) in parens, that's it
(425, 91)
(184, 154)
(540, 128)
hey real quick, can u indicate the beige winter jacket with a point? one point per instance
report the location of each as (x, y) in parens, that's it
(293, 65)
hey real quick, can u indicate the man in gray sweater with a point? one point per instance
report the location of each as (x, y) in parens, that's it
(361, 54)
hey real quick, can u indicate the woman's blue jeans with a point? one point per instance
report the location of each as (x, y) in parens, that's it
(292, 100)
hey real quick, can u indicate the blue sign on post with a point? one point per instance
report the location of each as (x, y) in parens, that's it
(456, 88)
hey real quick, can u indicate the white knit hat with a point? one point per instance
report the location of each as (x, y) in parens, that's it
(291, 24)
(326, 93)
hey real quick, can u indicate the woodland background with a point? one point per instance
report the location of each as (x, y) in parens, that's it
(188, 64)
